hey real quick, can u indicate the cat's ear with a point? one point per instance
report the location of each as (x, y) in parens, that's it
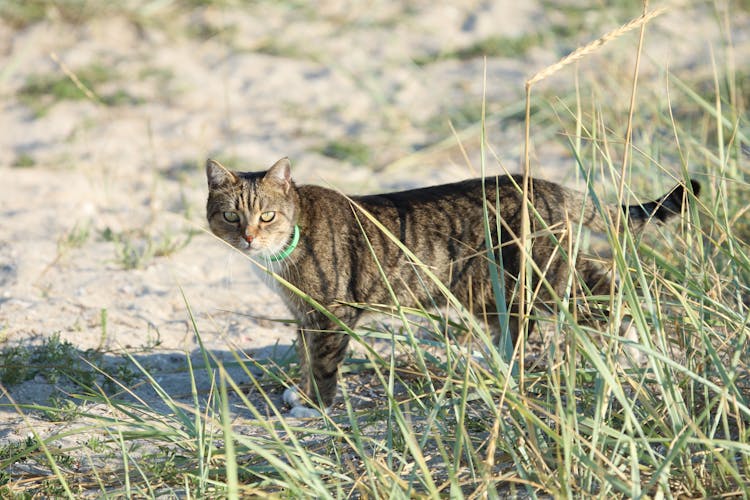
(281, 173)
(218, 175)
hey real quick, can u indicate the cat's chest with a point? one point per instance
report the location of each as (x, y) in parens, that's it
(284, 283)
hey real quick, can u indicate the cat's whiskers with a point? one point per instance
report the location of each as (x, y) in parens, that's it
(267, 276)
(291, 270)
(227, 279)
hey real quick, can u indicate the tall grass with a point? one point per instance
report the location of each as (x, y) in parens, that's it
(444, 414)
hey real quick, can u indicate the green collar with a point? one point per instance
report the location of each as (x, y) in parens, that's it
(289, 249)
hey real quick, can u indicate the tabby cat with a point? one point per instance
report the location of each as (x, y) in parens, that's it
(321, 242)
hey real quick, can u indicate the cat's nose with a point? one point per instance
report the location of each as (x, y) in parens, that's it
(249, 238)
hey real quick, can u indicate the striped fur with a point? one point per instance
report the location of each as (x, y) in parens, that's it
(442, 225)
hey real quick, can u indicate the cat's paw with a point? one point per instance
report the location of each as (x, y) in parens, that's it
(299, 409)
(304, 412)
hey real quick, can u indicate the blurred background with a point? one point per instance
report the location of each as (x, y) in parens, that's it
(345, 89)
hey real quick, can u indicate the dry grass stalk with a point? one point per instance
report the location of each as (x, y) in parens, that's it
(76, 81)
(579, 53)
(592, 47)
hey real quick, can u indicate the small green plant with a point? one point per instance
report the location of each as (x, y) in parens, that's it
(52, 359)
(168, 243)
(494, 46)
(131, 254)
(120, 373)
(61, 409)
(347, 150)
(14, 367)
(277, 47)
(24, 160)
(133, 250)
(459, 117)
(497, 46)
(203, 29)
(95, 444)
(20, 14)
(76, 237)
(52, 488)
(17, 450)
(161, 75)
(73, 238)
(42, 91)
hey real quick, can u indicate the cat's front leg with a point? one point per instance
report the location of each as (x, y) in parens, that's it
(320, 353)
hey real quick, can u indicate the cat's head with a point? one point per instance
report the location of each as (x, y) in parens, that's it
(253, 211)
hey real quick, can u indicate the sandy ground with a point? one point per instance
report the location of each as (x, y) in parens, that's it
(260, 83)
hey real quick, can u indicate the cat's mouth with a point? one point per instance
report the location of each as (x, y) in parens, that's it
(254, 249)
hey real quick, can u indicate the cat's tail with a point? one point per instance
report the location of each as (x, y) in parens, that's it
(659, 210)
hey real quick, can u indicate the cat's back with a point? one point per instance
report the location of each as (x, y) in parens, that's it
(471, 188)
(454, 204)
(460, 200)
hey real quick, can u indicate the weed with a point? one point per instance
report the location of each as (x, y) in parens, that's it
(494, 46)
(132, 255)
(204, 30)
(182, 170)
(278, 48)
(95, 444)
(21, 14)
(134, 250)
(161, 75)
(347, 150)
(61, 409)
(24, 160)
(14, 367)
(52, 488)
(459, 117)
(52, 359)
(121, 373)
(107, 234)
(76, 237)
(16, 451)
(42, 91)
(61, 88)
(55, 358)
(168, 244)
(165, 465)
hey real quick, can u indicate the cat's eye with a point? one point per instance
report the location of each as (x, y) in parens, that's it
(231, 217)
(267, 216)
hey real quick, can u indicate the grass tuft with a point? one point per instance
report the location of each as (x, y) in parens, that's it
(42, 91)
(493, 46)
(348, 150)
(137, 249)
